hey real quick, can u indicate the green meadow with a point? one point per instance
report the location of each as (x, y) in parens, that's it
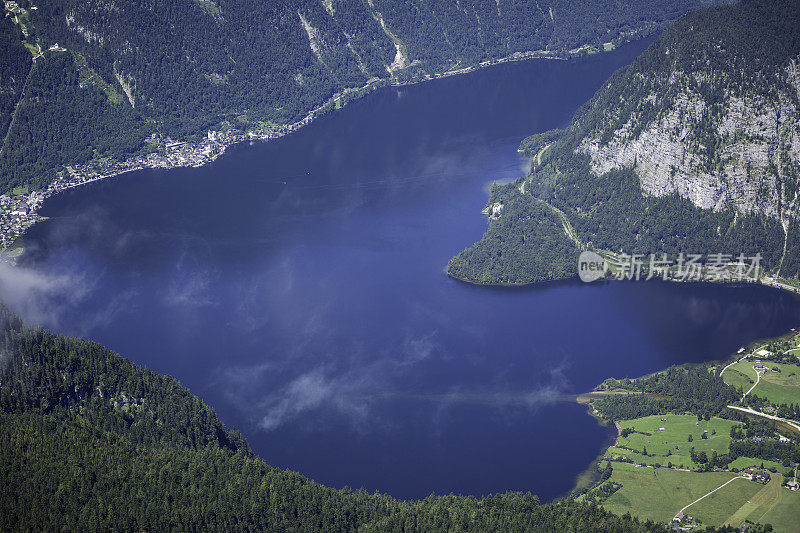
(784, 515)
(772, 504)
(672, 444)
(780, 387)
(719, 507)
(659, 493)
(740, 375)
(743, 463)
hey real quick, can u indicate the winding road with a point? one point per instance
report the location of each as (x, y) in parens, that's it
(758, 378)
(742, 358)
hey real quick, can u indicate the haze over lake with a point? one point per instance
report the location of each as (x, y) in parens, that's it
(298, 288)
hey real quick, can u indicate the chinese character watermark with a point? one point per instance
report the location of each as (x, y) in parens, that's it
(683, 267)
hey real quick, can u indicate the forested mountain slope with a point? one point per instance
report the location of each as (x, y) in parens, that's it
(182, 66)
(14, 66)
(89, 441)
(694, 147)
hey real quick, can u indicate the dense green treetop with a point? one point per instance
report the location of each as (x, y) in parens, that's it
(15, 62)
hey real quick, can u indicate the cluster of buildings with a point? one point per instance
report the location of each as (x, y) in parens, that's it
(493, 211)
(762, 368)
(15, 217)
(683, 522)
(756, 475)
(16, 9)
(17, 214)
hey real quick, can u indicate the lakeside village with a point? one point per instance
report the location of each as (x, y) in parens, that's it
(19, 212)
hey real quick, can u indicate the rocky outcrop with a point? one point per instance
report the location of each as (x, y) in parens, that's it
(742, 152)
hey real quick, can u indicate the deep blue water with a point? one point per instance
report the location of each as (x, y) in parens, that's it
(298, 287)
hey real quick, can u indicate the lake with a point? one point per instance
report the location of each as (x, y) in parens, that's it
(298, 287)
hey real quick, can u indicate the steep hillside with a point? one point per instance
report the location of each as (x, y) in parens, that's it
(184, 66)
(711, 112)
(694, 148)
(14, 66)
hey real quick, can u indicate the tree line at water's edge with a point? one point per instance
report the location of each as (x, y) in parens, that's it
(696, 389)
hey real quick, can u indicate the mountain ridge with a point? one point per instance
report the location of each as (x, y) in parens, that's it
(694, 148)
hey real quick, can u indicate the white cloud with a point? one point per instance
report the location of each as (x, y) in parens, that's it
(41, 298)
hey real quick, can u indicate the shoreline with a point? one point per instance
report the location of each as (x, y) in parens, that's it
(767, 281)
(509, 285)
(748, 350)
(168, 153)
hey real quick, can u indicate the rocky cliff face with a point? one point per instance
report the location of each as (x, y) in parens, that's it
(740, 152)
(711, 111)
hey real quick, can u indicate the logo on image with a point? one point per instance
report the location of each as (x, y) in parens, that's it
(591, 266)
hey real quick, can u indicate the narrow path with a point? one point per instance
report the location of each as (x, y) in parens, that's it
(745, 356)
(708, 494)
(742, 358)
(758, 378)
(766, 498)
(733, 363)
(778, 285)
(568, 229)
(729, 365)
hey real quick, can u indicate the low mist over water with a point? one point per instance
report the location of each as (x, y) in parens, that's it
(298, 287)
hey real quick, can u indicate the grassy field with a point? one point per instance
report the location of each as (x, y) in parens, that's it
(742, 463)
(672, 445)
(659, 493)
(716, 509)
(780, 388)
(785, 514)
(740, 375)
(777, 387)
(771, 505)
